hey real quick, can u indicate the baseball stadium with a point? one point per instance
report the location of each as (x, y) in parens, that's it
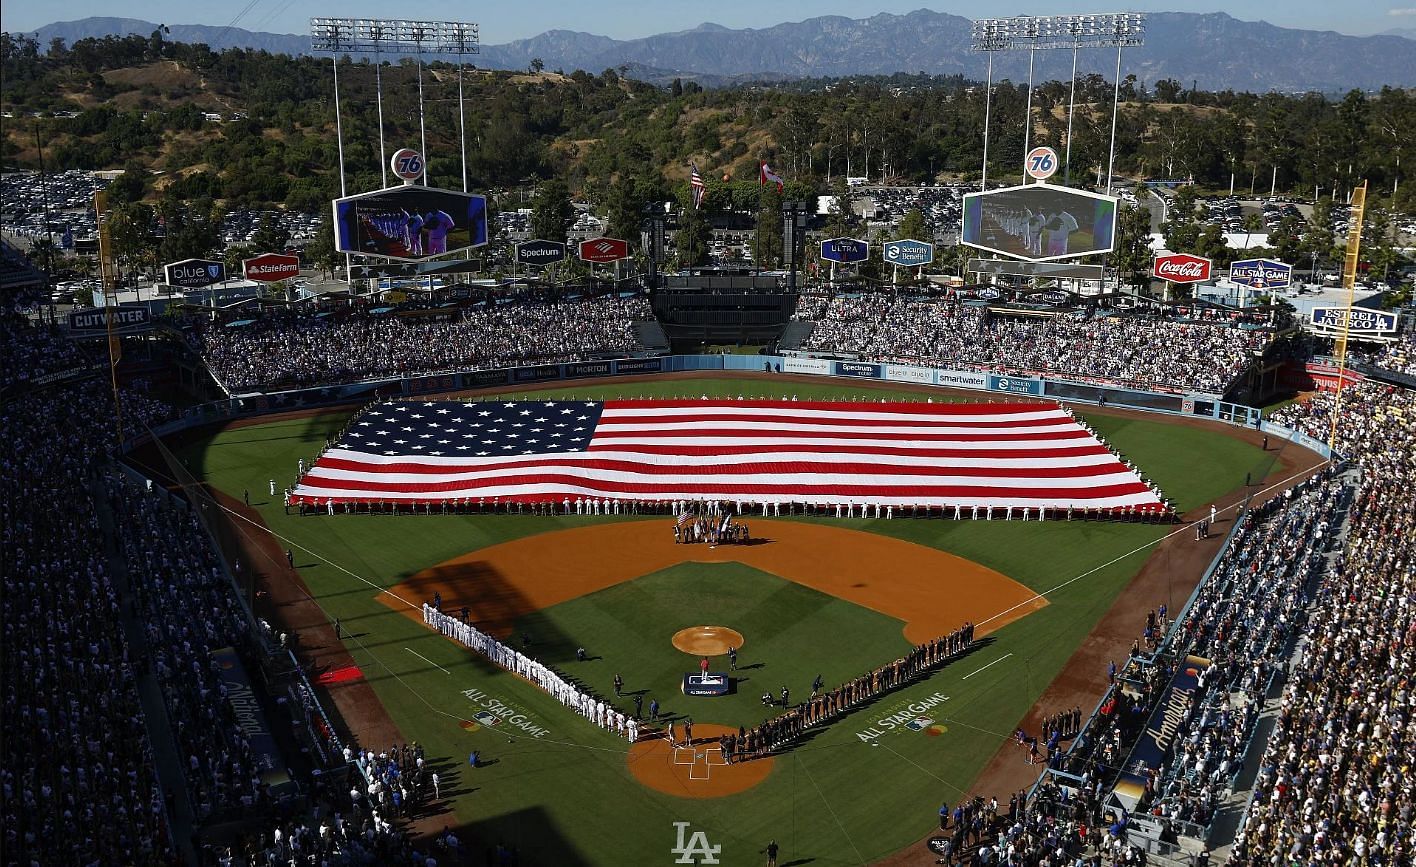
(963, 521)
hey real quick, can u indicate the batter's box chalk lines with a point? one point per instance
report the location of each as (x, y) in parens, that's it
(993, 663)
(427, 660)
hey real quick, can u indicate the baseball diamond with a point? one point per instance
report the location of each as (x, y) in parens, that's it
(702, 470)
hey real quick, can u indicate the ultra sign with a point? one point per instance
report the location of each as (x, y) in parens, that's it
(845, 250)
(909, 252)
(194, 273)
(1261, 272)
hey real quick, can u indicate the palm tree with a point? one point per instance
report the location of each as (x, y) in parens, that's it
(1252, 223)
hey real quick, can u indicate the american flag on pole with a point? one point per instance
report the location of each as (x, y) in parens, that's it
(999, 454)
(696, 187)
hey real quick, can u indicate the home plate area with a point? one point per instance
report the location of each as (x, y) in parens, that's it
(697, 770)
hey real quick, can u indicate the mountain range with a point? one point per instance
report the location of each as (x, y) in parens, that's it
(1213, 51)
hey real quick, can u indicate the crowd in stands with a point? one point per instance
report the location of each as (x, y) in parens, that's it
(34, 350)
(1398, 356)
(295, 351)
(78, 778)
(1144, 351)
(1334, 784)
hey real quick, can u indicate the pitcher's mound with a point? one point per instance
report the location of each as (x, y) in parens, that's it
(707, 640)
(697, 770)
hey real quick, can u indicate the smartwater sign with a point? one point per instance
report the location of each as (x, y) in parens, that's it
(961, 379)
(857, 368)
(1015, 384)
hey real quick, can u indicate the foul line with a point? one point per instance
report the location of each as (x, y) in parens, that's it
(922, 768)
(427, 660)
(994, 662)
(832, 811)
(1151, 544)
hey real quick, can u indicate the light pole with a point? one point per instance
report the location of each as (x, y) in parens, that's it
(1047, 32)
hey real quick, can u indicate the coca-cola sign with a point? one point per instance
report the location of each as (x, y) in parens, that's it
(1182, 268)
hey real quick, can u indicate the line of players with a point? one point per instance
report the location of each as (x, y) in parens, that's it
(823, 706)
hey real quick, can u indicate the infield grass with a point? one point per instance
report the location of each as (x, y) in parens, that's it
(566, 796)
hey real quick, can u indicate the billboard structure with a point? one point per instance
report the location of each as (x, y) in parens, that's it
(194, 273)
(845, 250)
(1261, 273)
(1039, 222)
(410, 223)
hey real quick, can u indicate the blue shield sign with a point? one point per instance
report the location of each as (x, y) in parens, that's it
(845, 250)
(1267, 273)
(909, 252)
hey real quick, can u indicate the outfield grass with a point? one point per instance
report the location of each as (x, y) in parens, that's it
(568, 797)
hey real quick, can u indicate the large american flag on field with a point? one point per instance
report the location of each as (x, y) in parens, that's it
(999, 454)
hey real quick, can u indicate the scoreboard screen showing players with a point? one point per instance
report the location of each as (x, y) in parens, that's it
(410, 223)
(1039, 222)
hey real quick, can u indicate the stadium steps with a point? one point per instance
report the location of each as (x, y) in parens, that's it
(650, 335)
(795, 335)
(167, 757)
(1230, 815)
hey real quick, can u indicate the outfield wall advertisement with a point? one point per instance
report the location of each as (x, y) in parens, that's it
(909, 373)
(961, 379)
(862, 369)
(1015, 384)
(792, 364)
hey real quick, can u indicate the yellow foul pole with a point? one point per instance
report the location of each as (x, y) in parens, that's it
(1349, 282)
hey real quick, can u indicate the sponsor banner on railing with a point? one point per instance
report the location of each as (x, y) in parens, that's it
(805, 365)
(961, 379)
(1015, 384)
(588, 368)
(249, 717)
(857, 368)
(539, 373)
(481, 378)
(639, 365)
(424, 384)
(1158, 739)
(908, 373)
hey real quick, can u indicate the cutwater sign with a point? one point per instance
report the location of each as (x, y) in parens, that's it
(857, 368)
(1268, 273)
(1014, 384)
(94, 320)
(909, 252)
(194, 273)
(845, 250)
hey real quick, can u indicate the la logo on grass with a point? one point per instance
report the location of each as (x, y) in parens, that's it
(694, 848)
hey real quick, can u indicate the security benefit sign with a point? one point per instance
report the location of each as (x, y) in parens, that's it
(1365, 324)
(909, 253)
(1039, 222)
(410, 223)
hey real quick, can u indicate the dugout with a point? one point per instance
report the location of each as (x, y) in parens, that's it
(721, 307)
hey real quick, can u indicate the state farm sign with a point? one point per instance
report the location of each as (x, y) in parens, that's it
(271, 267)
(1182, 268)
(603, 250)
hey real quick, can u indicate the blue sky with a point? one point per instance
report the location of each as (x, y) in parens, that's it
(624, 19)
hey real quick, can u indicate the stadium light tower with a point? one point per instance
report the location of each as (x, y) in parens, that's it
(1050, 32)
(376, 36)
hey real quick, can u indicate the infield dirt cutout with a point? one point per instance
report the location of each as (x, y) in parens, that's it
(932, 592)
(707, 640)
